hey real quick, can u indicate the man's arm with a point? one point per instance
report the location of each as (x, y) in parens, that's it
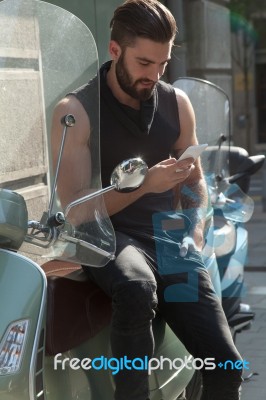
(192, 192)
(75, 170)
(160, 178)
(74, 176)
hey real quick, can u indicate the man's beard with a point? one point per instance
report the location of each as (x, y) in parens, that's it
(127, 84)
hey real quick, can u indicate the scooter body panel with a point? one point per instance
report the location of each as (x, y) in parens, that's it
(22, 297)
(63, 381)
(168, 382)
(231, 266)
(210, 260)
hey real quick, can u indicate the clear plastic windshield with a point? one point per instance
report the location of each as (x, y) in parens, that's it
(47, 53)
(211, 106)
(212, 113)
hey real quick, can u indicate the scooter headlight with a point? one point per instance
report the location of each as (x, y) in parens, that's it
(12, 347)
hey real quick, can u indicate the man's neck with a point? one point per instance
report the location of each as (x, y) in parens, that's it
(119, 94)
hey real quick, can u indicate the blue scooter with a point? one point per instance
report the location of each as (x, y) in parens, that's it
(227, 170)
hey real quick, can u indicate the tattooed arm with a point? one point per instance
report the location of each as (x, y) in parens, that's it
(191, 194)
(194, 201)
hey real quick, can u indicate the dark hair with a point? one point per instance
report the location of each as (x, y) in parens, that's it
(148, 19)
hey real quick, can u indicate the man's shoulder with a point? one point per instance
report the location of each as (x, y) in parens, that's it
(87, 95)
(89, 87)
(166, 90)
(165, 86)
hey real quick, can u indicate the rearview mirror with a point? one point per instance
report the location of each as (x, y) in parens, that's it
(129, 175)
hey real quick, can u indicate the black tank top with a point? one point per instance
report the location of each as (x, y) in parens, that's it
(149, 133)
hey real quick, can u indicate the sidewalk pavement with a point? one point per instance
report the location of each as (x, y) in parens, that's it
(257, 238)
(257, 225)
(252, 343)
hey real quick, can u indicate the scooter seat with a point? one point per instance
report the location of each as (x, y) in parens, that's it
(77, 309)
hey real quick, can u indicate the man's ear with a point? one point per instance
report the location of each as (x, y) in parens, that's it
(114, 50)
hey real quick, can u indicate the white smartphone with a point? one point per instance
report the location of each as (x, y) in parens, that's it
(192, 152)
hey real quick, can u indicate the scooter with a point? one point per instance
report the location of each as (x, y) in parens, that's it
(227, 170)
(55, 323)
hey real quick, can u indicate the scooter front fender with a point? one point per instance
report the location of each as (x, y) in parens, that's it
(22, 298)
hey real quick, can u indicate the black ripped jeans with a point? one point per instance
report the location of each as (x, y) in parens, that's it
(140, 281)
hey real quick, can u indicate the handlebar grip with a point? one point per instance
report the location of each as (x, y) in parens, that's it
(56, 220)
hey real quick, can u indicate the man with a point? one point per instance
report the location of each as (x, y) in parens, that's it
(143, 116)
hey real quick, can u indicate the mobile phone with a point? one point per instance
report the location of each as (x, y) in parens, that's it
(192, 152)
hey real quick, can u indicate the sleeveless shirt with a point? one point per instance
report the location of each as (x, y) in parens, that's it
(149, 133)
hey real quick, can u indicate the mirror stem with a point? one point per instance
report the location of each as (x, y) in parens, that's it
(68, 121)
(86, 198)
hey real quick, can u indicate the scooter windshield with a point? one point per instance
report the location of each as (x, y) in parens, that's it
(212, 112)
(211, 107)
(47, 54)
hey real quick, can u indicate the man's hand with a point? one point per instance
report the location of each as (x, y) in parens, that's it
(164, 175)
(188, 244)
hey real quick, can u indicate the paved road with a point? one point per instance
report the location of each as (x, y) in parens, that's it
(252, 343)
